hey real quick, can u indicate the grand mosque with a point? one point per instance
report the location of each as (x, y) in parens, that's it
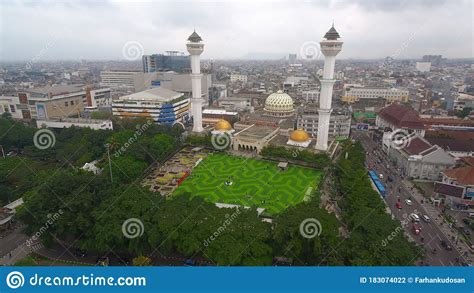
(275, 123)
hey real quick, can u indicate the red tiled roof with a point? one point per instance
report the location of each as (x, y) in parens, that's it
(454, 134)
(468, 160)
(447, 121)
(416, 146)
(454, 145)
(463, 175)
(401, 117)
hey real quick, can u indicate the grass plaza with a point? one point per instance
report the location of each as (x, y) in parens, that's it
(237, 180)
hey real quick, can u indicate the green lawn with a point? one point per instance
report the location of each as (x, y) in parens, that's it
(254, 183)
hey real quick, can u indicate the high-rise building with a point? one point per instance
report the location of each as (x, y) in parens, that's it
(330, 47)
(170, 61)
(292, 58)
(195, 48)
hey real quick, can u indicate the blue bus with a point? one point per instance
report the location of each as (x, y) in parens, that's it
(377, 183)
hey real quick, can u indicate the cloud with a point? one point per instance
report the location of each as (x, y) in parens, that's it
(233, 29)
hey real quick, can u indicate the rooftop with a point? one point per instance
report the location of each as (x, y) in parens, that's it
(401, 117)
(463, 175)
(455, 145)
(194, 37)
(56, 90)
(447, 189)
(332, 34)
(417, 146)
(155, 94)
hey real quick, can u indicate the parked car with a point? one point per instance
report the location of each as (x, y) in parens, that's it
(416, 229)
(426, 218)
(408, 202)
(381, 176)
(414, 217)
(189, 262)
(398, 205)
(446, 245)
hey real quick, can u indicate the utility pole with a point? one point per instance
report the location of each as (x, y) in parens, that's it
(110, 163)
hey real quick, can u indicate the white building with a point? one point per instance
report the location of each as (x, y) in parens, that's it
(159, 104)
(389, 94)
(339, 122)
(423, 66)
(419, 159)
(311, 96)
(238, 77)
(77, 122)
(11, 104)
(236, 104)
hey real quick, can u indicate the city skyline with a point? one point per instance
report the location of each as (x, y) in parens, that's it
(234, 30)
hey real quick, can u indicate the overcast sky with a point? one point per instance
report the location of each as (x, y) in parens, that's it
(48, 30)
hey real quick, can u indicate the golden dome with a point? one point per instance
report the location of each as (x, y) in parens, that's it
(223, 125)
(299, 135)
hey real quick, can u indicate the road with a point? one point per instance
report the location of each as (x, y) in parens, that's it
(431, 235)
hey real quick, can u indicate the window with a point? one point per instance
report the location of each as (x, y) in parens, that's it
(72, 103)
(66, 104)
(12, 109)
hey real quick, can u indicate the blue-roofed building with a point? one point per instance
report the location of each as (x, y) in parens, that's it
(162, 105)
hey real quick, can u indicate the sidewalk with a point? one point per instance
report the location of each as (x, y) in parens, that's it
(436, 216)
(18, 254)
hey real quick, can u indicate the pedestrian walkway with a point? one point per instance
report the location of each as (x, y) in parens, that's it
(19, 253)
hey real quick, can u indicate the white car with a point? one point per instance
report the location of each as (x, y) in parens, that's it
(408, 202)
(415, 217)
(381, 176)
(426, 218)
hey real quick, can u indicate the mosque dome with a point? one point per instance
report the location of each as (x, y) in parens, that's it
(299, 135)
(279, 104)
(223, 125)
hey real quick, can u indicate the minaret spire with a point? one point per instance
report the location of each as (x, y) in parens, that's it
(195, 48)
(330, 47)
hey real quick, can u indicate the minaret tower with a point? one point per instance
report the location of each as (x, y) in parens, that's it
(330, 47)
(195, 48)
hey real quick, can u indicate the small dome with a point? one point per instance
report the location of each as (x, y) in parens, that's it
(299, 135)
(279, 104)
(223, 125)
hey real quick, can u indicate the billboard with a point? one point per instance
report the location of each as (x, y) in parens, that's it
(41, 110)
